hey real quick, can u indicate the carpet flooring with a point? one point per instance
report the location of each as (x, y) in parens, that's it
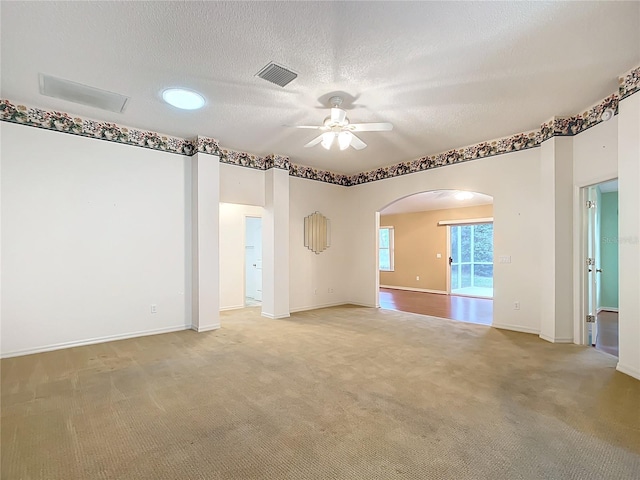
(337, 393)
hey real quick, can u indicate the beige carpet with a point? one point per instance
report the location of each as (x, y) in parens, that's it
(340, 393)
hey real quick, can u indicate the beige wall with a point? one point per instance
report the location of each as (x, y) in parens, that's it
(418, 239)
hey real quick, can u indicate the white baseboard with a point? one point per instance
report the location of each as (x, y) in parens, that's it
(515, 328)
(275, 317)
(358, 304)
(205, 328)
(632, 372)
(233, 307)
(414, 289)
(315, 307)
(607, 309)
(556, 339)
(92, 341)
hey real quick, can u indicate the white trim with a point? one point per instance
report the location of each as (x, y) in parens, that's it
(608, 309)
(274, 317)
(516, 328)
(208, 328)
(315, 307)
(414, 289)
(92, 341)
(233, 307)
(632, 372)
(556, 340)
(468, 221)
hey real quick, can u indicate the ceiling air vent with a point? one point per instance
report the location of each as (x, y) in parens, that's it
(82, 94)
(276, 74)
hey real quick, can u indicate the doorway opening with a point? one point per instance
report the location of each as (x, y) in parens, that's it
(240, 256)
(471, 259)
(253, 262)
(600, 266)
(435, 255)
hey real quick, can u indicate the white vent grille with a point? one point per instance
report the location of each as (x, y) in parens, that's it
(277, 74)
(82, 94)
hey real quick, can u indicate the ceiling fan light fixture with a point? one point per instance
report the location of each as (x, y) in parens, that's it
(344, 140)
(327, 139)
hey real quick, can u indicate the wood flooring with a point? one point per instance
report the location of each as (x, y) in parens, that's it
(464, 309)
(607, 340)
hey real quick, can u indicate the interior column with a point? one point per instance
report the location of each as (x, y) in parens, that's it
(205, 221)
(275, 245)
(556, 240)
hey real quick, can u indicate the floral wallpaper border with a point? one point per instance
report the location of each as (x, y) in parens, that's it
(557, 126)
(629, 83)
(63, 122)
(311, 173)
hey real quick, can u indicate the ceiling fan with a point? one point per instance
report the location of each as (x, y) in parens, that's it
(337, 126)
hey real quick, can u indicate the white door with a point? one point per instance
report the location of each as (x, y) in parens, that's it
(253, 258)
(592, 262)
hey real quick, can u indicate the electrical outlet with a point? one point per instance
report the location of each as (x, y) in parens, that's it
(417, 277)
(516, 305)
(154, 308)
(315, 291)
(330, 290)
(438, 255)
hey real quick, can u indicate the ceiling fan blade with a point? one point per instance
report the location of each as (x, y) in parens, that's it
(357, 143)
(314, 142)
(338, 115)
(370, 127)
(314, 127)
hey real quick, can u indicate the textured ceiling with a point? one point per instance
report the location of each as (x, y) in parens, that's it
(445, 74)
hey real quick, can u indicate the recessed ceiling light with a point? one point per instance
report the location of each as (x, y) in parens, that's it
(183, 98)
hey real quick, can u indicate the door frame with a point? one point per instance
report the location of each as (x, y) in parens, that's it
(580, 232)
(459, 223)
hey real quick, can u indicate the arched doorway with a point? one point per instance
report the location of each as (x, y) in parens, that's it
(435, 255)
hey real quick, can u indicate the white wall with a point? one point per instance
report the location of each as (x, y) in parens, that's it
(313, 275)
(232, 252)
(93, 233)
(595, 154)
(514, 182)
(241, 185)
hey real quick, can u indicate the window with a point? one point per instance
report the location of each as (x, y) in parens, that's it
(385, 253)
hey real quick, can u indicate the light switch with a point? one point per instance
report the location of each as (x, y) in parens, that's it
(438, 255)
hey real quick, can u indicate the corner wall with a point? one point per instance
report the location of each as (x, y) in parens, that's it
(629, 234)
